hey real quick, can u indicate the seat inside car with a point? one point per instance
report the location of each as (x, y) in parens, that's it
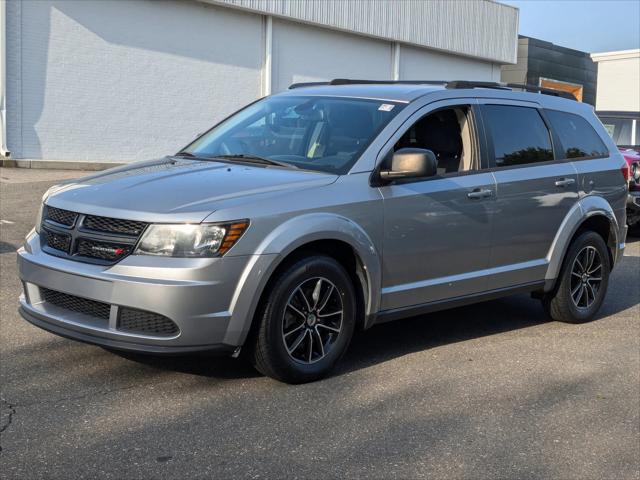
(447, 133)
(349, 129)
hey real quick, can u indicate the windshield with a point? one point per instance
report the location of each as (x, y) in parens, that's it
(326, 134)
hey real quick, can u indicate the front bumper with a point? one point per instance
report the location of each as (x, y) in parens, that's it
(200, 296)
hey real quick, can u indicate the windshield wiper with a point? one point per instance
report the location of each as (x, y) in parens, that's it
(185, 154)
(255, 159)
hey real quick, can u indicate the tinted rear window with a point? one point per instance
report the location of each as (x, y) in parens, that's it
(578, 138)
(519, 135)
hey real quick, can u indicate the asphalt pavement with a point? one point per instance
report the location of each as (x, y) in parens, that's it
(493, 390)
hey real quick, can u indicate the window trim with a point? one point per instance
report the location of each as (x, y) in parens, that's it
(563, 148)
(491, 153)
(477, 133)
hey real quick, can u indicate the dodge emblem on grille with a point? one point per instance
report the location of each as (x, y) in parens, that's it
(109, 250)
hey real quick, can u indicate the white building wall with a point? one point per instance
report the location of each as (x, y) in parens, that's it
(302, 53)
(418, 63)
(111, 81)
(618, 85)
(101, 81)
(484, 29)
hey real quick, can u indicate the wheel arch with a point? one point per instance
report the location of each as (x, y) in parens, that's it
(590, 213)
(328, 234)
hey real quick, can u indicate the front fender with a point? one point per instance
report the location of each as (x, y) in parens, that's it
(584, 209)
(283, 240)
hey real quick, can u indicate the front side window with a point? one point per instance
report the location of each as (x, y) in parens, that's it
(578, 138)
(326, 134)
(519, 135)
(448, 133)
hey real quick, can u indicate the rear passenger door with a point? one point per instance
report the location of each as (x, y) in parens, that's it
(534, 191)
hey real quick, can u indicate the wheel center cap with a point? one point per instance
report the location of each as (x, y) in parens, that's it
(311, 320)
(585, 277)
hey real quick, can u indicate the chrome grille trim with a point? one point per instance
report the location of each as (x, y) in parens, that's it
(108, 241)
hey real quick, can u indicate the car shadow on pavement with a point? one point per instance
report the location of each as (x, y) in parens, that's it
(382, 342)
(395, 339)
(201, 364)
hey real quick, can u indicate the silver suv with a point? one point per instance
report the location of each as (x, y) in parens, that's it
(329, 208)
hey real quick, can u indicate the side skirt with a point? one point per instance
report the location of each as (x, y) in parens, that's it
(423, 308)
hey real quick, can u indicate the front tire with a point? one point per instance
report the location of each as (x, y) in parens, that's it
(307, 319)
(583, 281)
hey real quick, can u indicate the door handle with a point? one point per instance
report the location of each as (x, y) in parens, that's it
(479, 193)
(565, 182)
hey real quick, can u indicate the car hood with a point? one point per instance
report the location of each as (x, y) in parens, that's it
(176, 189)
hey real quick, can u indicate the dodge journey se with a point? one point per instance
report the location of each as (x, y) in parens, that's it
(326, 209)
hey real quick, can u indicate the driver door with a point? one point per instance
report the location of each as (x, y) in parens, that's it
(437, 238)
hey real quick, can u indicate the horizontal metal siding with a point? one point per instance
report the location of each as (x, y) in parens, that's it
(478, 28)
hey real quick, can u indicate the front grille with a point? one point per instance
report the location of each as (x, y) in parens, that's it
(102, 250)
(89, 238)
(113, 225)
(63, 217)
(146, 323)
(76, 304)
(57, 241)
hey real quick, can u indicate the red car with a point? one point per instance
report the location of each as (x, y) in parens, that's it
(633, 201)
(624, 128)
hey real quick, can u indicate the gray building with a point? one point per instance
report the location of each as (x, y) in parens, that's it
(548, 65)
(111, 81)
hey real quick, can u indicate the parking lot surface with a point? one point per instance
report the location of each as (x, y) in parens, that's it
(493, 390)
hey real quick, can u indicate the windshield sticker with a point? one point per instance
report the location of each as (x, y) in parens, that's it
(386, 107)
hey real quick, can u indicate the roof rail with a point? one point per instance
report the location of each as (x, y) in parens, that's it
(450, 84)
(293, 86)
(350, 81)
(544, 90)
(457, 84)
(511, 86)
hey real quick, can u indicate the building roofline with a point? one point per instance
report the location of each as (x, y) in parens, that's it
(396, 21)
(616, 55)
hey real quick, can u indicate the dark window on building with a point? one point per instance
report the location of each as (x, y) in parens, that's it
(519, 135)
(578, 138)
(621, 130)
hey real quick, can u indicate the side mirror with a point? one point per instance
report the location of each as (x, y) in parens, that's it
(411, 163)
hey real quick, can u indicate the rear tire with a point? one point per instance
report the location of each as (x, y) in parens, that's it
(307, 319)
(583, 281)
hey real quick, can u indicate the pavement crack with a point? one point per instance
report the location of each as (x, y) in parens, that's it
(89, 394)
(12, 411)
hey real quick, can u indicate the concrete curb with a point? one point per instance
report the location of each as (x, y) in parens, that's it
(57, 164)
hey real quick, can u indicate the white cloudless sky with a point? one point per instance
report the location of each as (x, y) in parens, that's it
(587, 25)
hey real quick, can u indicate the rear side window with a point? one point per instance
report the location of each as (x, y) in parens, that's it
(519, 135)
(578, 138)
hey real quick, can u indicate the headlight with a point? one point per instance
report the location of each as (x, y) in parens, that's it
(635, 172)
(204, 240)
